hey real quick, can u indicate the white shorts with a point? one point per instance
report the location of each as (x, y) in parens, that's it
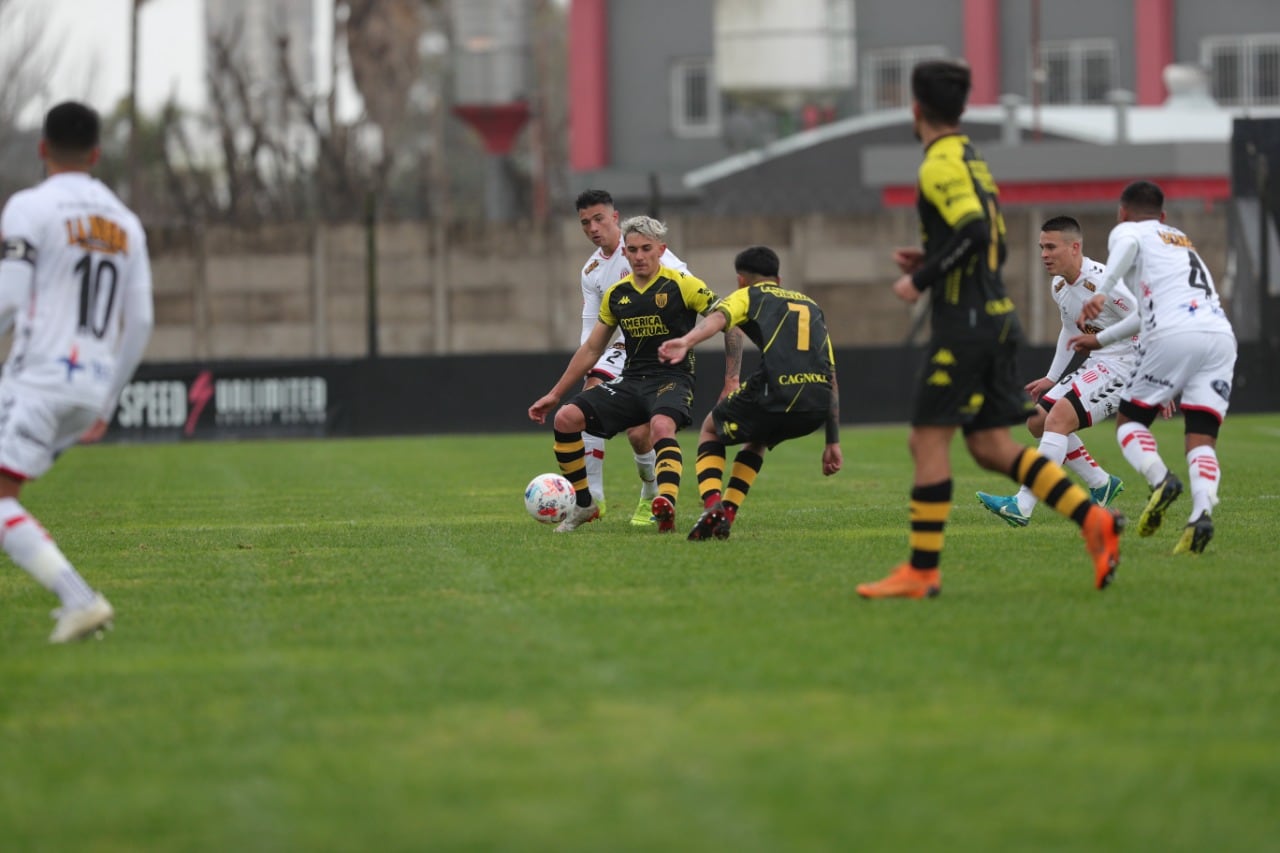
(36, 427)
(1098, 384)
(1199, 366)
(612, 360)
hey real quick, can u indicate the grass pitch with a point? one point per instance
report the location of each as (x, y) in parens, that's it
(367, 645)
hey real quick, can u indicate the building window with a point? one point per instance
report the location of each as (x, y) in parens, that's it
(695, 104)
(1245, 70)
(1077, 72)
(886, 75)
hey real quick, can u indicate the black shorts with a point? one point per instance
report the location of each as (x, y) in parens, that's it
(974, 385)
(611, 407)
(740, 418)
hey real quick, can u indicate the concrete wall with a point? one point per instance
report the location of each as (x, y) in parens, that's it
(287, 293)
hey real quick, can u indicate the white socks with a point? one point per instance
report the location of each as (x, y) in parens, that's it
(1079, 462)
(648, 477)
(27, 544)
(1139, 448)
(1202, 462)
(594, 446)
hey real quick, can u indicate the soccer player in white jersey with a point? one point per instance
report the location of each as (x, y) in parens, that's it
(1185, 346)
(1086, 393)
(606, 267)
(75, 277)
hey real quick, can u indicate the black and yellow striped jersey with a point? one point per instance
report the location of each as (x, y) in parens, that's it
(667, 308)
(796, 359)
(956, 189)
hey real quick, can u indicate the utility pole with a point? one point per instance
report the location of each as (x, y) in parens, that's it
(132, 163)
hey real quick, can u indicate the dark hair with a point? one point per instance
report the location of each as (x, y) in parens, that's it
(757, 260)
(590, 198)
(941, 88)
(71, 128)
(1143, 197)
(1066, 224)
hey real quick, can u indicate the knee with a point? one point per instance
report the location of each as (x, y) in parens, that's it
(661, 427)
(569, 419)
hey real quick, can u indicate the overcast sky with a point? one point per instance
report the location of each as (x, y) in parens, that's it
(90, 40)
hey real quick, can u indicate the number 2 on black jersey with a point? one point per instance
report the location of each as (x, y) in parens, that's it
(97, 294)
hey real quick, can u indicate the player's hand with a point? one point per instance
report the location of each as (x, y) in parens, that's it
(1091, 309)
(673, 351)
(1169, 409)
(542, 407)
(1036, 390)
(905, 289)
(95, 432)
(1084, 343)
(908, 258)
(832, 459)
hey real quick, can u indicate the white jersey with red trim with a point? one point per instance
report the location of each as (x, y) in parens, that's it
(75, 277)
(1071, 297)
(1174, 287)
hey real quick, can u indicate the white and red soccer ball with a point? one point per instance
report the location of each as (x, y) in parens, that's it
(548, 498)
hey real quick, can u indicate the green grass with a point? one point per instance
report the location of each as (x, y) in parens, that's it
(367, 646)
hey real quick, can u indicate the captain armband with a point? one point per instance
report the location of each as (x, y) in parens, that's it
(18, 249)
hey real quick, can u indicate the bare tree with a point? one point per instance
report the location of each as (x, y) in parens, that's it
(25, 67)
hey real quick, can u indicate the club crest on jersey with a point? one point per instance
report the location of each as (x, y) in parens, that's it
(660, 300)
(1090, 286)
(72, 361)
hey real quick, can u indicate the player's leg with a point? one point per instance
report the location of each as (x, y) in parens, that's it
(1162, 370)
(761, 430)
(594, 445)
(669, 468)
(995, 448)
(712, 523)
(931, 491)
(1204, 407)
(670, 400)
(646, 460)
(1095, 394)
(992, 447)
(569, 424)
(31, 430)
(1015, 510)
(937, 411)
(710, 463)
(1059, 428)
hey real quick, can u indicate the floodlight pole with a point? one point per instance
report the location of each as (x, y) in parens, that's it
(132, 166)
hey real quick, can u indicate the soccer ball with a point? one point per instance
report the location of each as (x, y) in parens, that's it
(548, 498)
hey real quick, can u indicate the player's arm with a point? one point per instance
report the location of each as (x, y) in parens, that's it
(1062, 355)
(582, 360)
(673, 351)
(733, 346)
(832, 458)
(1126, 328)
(590, 309)
(17, 264)
(947, 184)
(1122, 253)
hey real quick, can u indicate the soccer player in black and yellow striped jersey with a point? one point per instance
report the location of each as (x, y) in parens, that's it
(969, 379)
(790, 394)
(653, 304)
